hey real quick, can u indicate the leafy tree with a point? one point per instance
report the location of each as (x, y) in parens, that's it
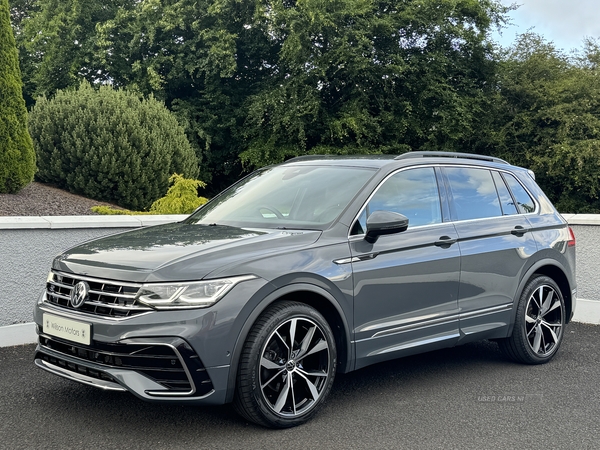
(109, 145)
(363, 76)
(546, 116)
(21, 12)
(274, 79)
(17, 158)
(270, 79)
(58, 41)
(203, 58)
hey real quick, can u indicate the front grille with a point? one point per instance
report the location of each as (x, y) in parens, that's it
(105, 298)
(158, 361)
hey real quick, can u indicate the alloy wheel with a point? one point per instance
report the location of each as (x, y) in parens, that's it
(294, 367)
(544, 320)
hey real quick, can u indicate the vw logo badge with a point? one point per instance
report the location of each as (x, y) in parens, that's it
(79, 294)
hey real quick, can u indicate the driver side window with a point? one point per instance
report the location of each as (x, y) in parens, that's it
(413, 193)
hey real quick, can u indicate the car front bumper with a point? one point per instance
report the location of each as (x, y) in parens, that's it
(181, 356)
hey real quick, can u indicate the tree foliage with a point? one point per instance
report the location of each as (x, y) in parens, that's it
(17, 158)
(363, 76)
(259, 81)
(181, 198)
(546, 116)
(58, 40)
(109, 145)
(270, 79)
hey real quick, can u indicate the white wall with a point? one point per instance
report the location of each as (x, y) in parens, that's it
(28, 245)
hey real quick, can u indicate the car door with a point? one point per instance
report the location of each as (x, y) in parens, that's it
(405, 284)
(495, 242)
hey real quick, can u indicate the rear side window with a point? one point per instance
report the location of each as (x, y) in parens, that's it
(524, 201)
(474, 193)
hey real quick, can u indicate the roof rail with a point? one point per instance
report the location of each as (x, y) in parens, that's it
(450, 155)
(304, 158)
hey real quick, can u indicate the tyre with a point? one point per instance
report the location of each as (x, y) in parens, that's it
(539, 323)
(287, 366)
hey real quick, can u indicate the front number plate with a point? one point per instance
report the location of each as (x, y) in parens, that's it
(68, 329)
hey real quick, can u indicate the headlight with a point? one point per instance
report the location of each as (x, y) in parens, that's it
(197, 294)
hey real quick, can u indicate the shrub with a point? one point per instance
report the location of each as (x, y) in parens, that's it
(110, 145)
(182, 198)
(17, 158)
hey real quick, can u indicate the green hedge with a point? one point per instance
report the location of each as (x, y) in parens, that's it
(110, 145)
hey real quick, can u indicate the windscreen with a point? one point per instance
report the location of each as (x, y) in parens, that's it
(305, 197)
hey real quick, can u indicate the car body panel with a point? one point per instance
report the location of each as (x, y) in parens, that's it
(492, 264)
(405, 289)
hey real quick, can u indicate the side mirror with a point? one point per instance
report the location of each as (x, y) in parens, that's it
(384, 222)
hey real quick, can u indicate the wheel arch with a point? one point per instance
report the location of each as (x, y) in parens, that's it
(560, 278)
(557, 272)
(313, 296)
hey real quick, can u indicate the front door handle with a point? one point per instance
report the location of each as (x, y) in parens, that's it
(444, 242)
(519, 231)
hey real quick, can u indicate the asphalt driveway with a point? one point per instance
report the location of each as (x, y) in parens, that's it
(468, 397)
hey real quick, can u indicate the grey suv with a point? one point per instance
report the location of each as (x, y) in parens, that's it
(308, 268)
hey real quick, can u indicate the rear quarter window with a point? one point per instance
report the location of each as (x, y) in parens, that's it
(524, 201)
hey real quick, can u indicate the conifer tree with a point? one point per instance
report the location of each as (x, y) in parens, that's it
(109, 144)
(17, 158)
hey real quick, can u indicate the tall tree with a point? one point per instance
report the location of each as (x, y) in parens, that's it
(58, 42)
(546, 116)
(203, 58)
(270, 79)
(17, 158)
(362, 76)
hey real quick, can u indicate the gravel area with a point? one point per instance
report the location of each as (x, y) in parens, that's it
(38, 199)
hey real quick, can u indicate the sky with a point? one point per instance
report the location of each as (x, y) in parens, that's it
(565, 22)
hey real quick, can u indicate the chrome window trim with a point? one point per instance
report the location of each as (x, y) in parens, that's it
(353, 237)
(532, 197)
(537, 206)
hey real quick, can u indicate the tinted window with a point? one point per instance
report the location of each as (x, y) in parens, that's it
(474, 193)
(524, 201)
(506, 201)
(413, 193)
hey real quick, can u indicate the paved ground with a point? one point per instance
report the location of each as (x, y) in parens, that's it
(468, 397)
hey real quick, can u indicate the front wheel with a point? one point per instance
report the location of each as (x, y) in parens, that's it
(287, 366)
(539, 323)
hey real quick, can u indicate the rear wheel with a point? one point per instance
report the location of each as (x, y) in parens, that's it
(539, 323)
(287, 366)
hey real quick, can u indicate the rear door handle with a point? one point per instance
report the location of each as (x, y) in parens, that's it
(444, 242)
(519, 231)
